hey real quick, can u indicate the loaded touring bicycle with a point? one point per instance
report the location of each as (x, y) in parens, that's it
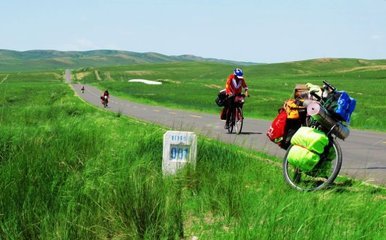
(313, 156)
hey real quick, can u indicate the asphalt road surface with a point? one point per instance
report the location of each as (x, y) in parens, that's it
(364, 152)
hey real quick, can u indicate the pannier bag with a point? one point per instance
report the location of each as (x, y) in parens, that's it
(276, 131)
(291, 126)
(341, 105)
(221, 98)
(291, 108)
(301, 91)
(308, 143)
(223, 115)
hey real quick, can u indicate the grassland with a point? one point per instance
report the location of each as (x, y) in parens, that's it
(194, 86)
(70, 171)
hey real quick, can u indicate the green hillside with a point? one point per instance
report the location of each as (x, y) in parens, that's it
(50, 59)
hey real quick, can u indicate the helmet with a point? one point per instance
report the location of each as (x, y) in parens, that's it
(238, 72)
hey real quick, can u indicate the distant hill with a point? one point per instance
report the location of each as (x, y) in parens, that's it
(322, 66)
(50, 59)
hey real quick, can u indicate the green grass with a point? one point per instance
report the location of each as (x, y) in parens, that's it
(71, 171)
(194, 86)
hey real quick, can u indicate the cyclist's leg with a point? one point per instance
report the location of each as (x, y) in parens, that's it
(227, 116)
(229, 107)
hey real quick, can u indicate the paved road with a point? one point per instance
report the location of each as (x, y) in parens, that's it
(364, 153)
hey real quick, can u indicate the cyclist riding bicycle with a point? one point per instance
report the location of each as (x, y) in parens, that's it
(233, 87)
(105, 97)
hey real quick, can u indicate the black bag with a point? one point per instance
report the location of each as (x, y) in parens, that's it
(292, 125)
(221, 98)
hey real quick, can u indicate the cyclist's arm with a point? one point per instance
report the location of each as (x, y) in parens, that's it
(245, 87)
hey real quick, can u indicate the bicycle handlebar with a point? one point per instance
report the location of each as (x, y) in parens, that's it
(315, 95)
(328, 85)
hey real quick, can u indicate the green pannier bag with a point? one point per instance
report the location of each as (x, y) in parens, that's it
(308, 143)
(302, 158)
(311, 139)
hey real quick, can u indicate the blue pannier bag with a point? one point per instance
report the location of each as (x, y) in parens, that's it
(345, 107)
(351, 108)
(341, 105)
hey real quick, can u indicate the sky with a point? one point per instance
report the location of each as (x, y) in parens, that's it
(263, 31)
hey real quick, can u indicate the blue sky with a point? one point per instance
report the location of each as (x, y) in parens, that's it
(245, 30)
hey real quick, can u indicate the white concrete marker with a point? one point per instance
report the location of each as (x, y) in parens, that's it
(179, 148)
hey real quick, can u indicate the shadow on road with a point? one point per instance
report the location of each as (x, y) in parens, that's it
(250, 133)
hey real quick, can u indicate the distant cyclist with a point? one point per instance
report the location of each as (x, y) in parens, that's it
(105, 98)
(106, 93)
(82, 89)
(233, 87)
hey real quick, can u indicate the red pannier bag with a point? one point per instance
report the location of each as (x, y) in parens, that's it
(277, 129)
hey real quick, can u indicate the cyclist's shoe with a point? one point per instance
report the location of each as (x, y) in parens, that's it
(226, 126)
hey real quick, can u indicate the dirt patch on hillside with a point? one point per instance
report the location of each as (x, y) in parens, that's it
(57, 76)
(139, 72)
(4, 79)
(325, 60)
(302, 72)
(361, 61)
(123, 56)
(97, 75)
(81, 75)
(63, 60)
(213, 86)
(364, 68)
(107, 76)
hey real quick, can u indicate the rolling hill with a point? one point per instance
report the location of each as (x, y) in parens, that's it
(50, 59)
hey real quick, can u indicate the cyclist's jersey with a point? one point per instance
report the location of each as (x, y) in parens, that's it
(234, 86)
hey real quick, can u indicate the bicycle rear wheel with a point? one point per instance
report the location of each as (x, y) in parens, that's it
(239, 119)
(319, 178)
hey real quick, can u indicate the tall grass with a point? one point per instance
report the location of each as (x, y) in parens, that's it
(70, 171)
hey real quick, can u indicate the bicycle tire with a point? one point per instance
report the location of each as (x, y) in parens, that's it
(239, 119)
(303, 181)
(231, 122)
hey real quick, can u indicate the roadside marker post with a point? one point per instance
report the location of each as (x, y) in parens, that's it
(179, 149)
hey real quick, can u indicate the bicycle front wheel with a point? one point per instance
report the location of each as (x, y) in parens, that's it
(231, 121)
(239, 119)
(319, 178)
